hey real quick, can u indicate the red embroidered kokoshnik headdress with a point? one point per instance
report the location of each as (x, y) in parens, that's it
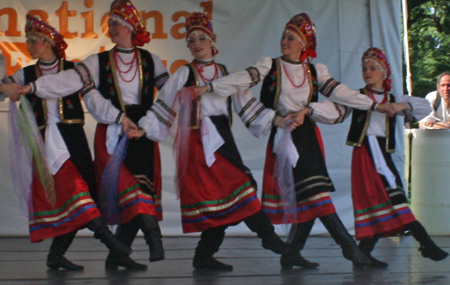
(34, 26)
(127, 12)
(200, 21)
(377, 55)
(303, 27)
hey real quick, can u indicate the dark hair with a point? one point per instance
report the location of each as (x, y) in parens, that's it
(442, 75)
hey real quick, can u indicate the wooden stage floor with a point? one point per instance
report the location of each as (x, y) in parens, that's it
(24, 263)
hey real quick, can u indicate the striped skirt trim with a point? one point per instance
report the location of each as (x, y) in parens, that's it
(384, 220)
(202, 210)
(133, 201)
(47, 219)
(307, 209)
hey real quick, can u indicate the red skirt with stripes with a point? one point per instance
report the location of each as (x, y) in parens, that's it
(375, 212)
(73, 209)
(213, 196)
(132, 199)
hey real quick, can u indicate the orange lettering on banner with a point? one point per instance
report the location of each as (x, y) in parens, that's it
(175, 30)
(63, 13)
(11, 50)
(12, 22)
(7, 49)
(207, 8)
(88, 21)
(159, 23)
(42, 15)
(88, 25)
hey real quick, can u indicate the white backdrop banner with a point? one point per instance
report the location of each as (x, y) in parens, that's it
(246, 30)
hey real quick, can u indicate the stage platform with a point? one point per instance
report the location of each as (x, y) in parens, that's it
(24, 263)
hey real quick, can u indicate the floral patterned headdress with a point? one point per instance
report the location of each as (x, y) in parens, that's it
(302, 26)
(126, 12)
(34, 26)
(377, 55)
(198, 21)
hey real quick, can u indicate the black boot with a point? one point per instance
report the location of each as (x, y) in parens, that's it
(427, 247)
(366, 246)
(152, 234)
(126, 234)
(210, 241)
(260, 224)
(113, 262)
(102, 232)
(55, 261)
(292, 256)
(55, 258)
(210, 263)
(341, 236)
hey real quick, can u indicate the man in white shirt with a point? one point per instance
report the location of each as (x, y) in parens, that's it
(440, 101)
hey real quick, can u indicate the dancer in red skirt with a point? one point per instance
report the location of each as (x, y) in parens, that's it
(379, 200)
(291, 86)
(216, 189)
(68, 157)
(118, 86)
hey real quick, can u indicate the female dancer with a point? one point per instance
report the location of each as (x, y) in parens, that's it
(118, 86)
(290, 86)
(379, 201)
(60, 122)
(216, 189)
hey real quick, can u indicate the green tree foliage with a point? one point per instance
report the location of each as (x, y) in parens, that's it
(429, 39)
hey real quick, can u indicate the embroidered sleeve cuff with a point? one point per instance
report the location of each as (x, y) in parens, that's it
(274, 120)
(210, 87)
(119, 117)
(374, 106)
(33, 87)
(143, 131)
(410, 106)
(254, 75)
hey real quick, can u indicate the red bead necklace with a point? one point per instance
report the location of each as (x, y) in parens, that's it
(290, 79)
(199, 69)
(130, 64)
(373, 97)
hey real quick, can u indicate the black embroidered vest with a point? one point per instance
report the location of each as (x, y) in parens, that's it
(271, 87)
(109, 84)
(69, 107)
(193, 80)
(360, 123)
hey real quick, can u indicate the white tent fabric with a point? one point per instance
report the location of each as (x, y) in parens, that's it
(246, 31)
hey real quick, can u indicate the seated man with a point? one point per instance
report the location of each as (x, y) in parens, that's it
(440, 101)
